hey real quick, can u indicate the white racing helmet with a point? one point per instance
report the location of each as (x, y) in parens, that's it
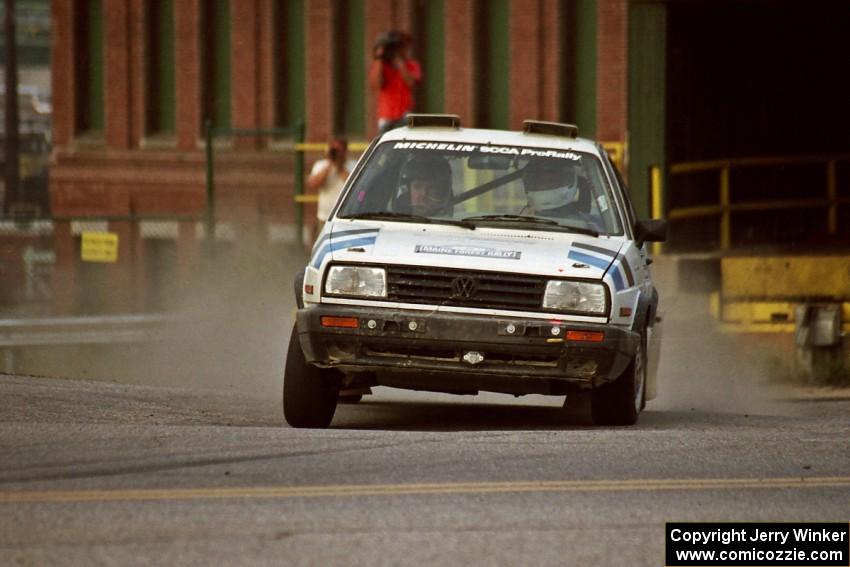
(550, 183)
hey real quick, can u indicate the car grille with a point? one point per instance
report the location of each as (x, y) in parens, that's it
(465, 288)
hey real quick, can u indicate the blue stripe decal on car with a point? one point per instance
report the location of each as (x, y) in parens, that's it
(588, 259)
(618, 279)
(334, 235)
(597, 249)
(339, 244)
(626, 269)
(601, 264)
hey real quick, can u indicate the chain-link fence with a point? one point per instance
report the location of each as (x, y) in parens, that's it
(26, 265)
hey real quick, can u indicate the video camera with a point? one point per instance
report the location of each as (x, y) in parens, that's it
(390, 43)
(336, 149)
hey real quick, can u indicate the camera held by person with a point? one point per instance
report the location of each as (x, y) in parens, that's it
(389, 45)
(393, 75)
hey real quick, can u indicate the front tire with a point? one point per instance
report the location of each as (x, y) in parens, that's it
(309, 392)
(620, 402)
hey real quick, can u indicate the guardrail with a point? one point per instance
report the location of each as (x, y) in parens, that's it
(69, 331)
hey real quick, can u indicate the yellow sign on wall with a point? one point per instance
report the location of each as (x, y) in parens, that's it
(99, 247)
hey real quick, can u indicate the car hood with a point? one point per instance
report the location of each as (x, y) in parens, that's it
(555, 254)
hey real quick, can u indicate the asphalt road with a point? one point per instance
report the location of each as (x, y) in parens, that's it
(176, 454)
(98, 473)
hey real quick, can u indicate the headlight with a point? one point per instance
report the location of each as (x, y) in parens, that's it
(356, 280)
(575, 296)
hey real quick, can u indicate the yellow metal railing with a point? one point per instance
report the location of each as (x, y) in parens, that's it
(724, 208)
(656, 201)
(617, 153)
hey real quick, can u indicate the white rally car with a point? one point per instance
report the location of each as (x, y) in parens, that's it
(463, 260)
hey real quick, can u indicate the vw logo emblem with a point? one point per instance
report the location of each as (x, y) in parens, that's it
(464, 287)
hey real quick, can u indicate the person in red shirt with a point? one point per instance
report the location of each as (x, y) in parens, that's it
(393, 75)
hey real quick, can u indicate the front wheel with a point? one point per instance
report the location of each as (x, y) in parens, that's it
(620, 402)
(309, 392)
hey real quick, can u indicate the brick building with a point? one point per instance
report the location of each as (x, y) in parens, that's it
(134, 82)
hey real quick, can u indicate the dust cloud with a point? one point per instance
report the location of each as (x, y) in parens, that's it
(231, 328)
(227, 331)
(704, 369)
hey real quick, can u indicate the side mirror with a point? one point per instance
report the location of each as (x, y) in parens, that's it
(650, 230)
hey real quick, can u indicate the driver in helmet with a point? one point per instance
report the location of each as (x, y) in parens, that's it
(429, 184)
(552, 188)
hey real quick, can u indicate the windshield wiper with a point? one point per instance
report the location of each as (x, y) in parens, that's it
(511, 218)
(532, 220)
(404, 217)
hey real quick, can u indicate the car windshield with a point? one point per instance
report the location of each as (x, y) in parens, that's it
(485, 185)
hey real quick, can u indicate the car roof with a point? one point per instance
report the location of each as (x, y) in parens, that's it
(486, 136)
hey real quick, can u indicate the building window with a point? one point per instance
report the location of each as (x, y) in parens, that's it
(349, 68)
(289, 62)
(429, 49)
(32, 33)
(492, 64)
(215, 70)
(88, 39)
(159, 72)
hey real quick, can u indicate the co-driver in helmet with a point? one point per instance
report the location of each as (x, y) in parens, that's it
(552, 188)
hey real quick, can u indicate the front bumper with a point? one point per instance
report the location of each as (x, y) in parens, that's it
(396, 340)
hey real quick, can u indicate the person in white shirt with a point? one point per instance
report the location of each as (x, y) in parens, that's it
(328, 176)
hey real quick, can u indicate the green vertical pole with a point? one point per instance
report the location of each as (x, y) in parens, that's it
(299, 182)
(209, 220)
(499, 65)
(585, 66)
(354, 122)
(647, 69)
(434, 60)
